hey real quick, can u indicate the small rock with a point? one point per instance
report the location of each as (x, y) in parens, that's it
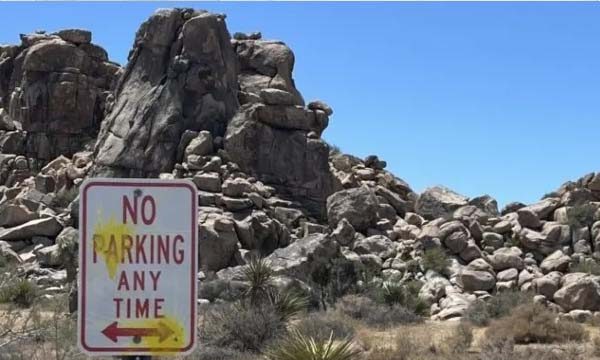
(320, 105)
(75, 36)
(208, 182)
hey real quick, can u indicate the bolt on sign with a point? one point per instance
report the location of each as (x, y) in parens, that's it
(138, 255)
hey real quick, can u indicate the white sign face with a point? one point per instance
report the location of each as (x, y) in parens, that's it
(138, 254)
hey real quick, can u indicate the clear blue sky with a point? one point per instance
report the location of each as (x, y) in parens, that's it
(498, 98)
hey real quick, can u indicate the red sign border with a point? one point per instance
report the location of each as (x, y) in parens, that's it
(82, 253)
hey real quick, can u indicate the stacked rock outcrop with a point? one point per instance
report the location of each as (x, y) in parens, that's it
(224, 112)
(54, 92)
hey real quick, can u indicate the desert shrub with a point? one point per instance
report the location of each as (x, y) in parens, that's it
(68, 250)
(504, 349)
(376, 314)
(414, 343)
(334, 150)
(394, 293)
(216, 353)
(435, 259)
(498, 349)
(460, 339)
(533, 323)
(481, 312)
(386, 316)
(596, 346)
(241, 326)
(410, 298)
(65, 196)
(31, 334)
(581, 215)
(21, 292)
(221, 289)
(343, 276)
(566, 352)
(478, 313)
(588, 267)
(334, 280)
(297, 346)
(355, 306)
(321, 325)
(60, 330)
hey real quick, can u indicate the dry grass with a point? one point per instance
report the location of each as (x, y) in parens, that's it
(533, 323)
(446, 341)
(48, 333)
(428, 341)
(45, 331)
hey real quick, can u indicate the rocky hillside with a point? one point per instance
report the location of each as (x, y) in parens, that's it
(194, 102)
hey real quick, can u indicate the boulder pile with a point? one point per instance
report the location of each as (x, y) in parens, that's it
(195, 103)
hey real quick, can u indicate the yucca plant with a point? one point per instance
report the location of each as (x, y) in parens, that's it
(288, 303)
(259, 275)
(392, 293)
(298, 346)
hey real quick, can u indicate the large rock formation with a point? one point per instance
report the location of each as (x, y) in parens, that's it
(54, 91)
(186, 75)
(181, 75)
(273, 136)
(194, 103)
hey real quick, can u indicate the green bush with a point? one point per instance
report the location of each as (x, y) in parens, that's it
(241, 326)
(321, 325)
(581, 215)
(435, 259)
(480, 312)
(375, 314)
(221, 289)
(460, 339)
(21, 292)
(534, 323)
(405, 294)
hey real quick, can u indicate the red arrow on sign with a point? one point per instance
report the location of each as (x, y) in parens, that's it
(113, 331)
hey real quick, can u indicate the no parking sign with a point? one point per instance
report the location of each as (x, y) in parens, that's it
(138, 265)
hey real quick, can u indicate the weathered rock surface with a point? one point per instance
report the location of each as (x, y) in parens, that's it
(181, 75)
(439, 201)
(217, 242)
(358, 206)
(48, 226)
(583, 293)
(281, 155)
(54, 90)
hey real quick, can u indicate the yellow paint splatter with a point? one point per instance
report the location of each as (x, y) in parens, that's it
(110, 243)
(172, 329)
